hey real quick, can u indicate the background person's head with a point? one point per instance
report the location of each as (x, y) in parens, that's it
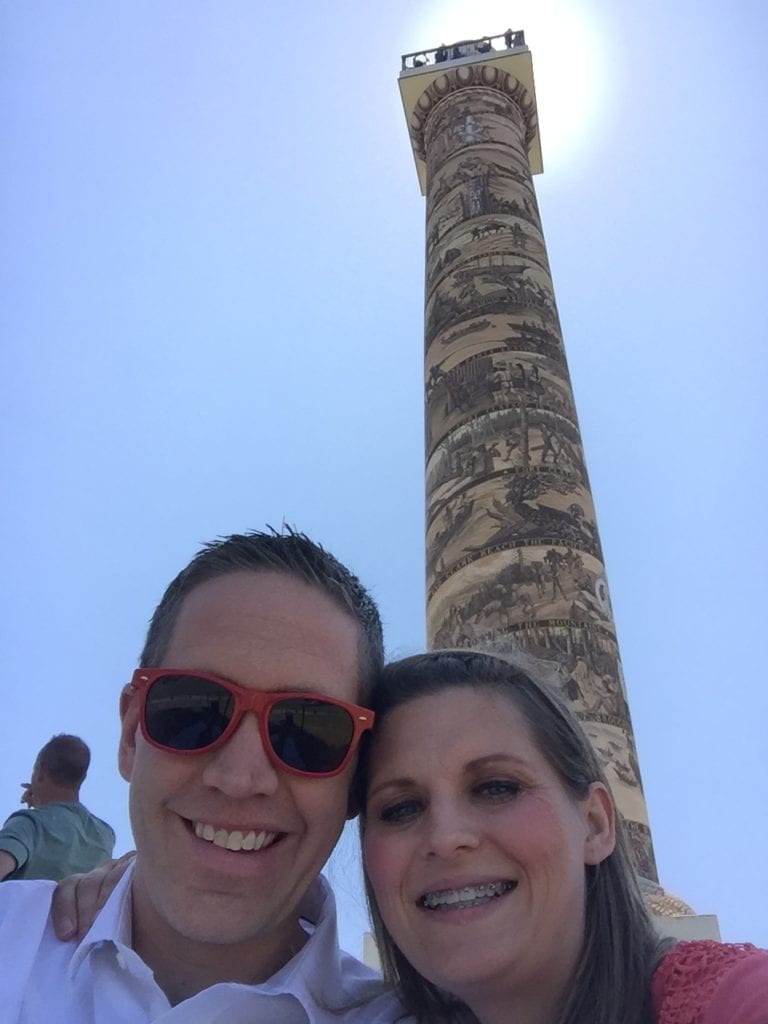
(288, 552)
(615, 947)
(59, 770)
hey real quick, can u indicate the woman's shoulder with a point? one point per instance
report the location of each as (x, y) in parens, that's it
(708, 982)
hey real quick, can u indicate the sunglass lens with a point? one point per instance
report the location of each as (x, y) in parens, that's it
(310, 735)
(186, 712)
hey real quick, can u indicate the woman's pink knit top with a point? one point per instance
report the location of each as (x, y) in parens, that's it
(712, 983)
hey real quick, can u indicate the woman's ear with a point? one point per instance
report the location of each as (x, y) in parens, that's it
(601, 821)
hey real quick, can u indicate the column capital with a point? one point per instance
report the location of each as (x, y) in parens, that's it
(470, 76)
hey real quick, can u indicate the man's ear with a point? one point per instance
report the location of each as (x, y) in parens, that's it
(353, 805)
(353, 797)
(129, 718)
(601, 822)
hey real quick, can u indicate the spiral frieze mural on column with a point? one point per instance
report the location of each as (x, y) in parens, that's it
(513, 552)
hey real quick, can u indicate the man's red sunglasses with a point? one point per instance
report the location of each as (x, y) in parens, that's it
(304, 733)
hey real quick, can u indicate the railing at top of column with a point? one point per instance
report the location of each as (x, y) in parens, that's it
(501, 43)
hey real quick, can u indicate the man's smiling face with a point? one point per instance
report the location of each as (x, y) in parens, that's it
(266, 631)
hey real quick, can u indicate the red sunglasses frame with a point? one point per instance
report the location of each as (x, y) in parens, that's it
(259, 702)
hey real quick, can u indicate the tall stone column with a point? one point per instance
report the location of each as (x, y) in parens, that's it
(513, 552)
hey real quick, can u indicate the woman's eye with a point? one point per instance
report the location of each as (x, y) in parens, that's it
(498, 788)
(397, 813)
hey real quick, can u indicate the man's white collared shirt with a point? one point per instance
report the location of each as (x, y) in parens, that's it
(102, 981)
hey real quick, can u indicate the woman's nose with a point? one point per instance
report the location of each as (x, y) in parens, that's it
(450, 830)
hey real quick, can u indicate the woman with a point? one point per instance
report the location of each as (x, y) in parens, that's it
(498, 878)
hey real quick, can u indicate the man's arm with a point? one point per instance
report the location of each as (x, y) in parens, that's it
(18, 838)
(7, 864)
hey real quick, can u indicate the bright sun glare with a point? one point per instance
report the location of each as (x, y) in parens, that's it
(563, 41)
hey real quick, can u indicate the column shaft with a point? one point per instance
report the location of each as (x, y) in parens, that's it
(513, 552)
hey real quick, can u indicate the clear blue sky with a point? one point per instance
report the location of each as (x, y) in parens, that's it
(212, 280)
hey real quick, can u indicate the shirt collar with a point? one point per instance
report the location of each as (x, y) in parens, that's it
(319, 974)
(318, 917)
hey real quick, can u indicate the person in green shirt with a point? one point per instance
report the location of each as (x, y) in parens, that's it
(57, 835)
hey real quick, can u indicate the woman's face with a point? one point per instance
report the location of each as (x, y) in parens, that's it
(474, 848)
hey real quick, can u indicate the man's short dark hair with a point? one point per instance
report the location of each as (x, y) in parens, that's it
(65, 760)
(288, 552)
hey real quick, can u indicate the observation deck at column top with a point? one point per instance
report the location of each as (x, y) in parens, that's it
(506, 51)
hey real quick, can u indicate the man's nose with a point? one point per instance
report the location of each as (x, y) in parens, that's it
(241, 767)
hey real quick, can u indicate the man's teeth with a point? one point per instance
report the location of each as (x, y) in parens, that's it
(468, 896)
(235, 840)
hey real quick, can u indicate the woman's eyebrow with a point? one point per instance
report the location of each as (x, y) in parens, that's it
(501, 756)
(399, 783)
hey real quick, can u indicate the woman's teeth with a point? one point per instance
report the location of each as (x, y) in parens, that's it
(467, 896)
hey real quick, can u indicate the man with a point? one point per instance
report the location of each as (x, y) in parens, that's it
(57, 835)
(223, 917)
